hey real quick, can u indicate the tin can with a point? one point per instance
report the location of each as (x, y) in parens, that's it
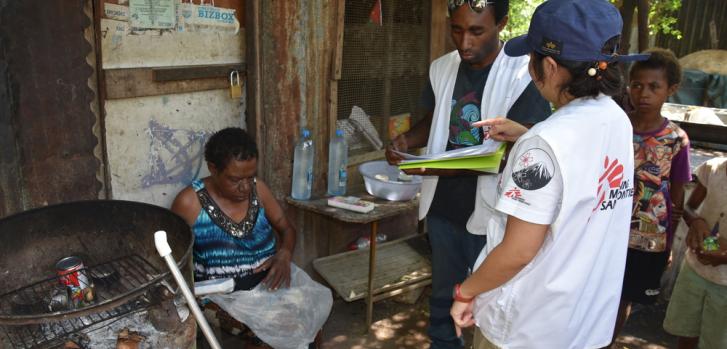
(70, 273)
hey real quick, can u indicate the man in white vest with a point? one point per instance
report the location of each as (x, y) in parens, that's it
(475, 82)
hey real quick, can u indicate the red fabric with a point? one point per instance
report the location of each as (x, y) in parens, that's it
(375, 15)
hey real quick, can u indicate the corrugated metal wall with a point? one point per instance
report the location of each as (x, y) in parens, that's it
(693, 21)
(47, 122)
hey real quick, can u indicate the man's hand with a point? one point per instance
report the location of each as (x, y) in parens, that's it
(502, 129)
(279, 274)
(399, 144)
(698, 231)
(462, 316)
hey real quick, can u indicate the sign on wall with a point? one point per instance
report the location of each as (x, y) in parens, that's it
(152, 14)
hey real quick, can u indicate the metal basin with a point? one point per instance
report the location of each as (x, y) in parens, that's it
(381, 181)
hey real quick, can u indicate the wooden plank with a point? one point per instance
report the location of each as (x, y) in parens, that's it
(384, 209)
(397, 265)
(338, 45)
(139, 82)
(253, 56)
(196, 72)
(336, 63)
(438, 31)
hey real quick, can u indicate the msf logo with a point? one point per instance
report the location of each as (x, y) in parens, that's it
(611, 186)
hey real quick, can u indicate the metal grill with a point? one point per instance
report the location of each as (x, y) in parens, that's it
(109, 282)
(384, 68)
(51, 334)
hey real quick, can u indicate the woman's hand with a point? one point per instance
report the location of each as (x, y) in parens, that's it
(279, 274)
(462, 316)
(502, 129)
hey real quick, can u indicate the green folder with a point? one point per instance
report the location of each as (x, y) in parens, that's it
(484, 163)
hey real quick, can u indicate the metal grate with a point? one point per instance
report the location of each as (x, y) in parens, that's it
(109, 282)
(49, 335)
(384, 68)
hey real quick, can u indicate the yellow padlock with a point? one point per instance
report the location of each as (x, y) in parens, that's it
(235, 86)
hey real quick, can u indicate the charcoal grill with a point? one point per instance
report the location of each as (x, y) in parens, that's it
(115, 240)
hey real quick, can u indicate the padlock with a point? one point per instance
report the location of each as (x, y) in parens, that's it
(235, 86)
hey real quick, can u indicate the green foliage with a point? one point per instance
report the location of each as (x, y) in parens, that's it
(519, 18)
(661, 17)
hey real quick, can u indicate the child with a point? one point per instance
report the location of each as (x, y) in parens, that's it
(699, 301)
(661, 163)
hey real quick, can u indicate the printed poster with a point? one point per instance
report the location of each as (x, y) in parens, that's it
(152, 14)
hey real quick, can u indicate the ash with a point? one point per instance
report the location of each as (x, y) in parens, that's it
(105, 334)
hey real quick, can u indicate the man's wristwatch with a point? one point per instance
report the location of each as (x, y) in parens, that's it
(457, 295)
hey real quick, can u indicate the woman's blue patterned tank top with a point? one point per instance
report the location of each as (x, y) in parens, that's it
(226, 249)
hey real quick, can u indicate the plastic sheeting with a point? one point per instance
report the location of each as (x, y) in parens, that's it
(285, 319)
(700, 88)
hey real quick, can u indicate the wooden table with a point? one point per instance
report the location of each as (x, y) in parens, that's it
(416, 272)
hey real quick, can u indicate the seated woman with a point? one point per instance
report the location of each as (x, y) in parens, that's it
(235, 218)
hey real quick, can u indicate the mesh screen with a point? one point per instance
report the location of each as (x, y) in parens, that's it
(384, 68)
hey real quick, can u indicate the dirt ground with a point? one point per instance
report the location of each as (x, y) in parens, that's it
(399, 325)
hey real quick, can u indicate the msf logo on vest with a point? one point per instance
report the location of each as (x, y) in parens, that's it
(611, 186)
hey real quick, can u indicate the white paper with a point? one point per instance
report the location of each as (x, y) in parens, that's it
(489, 146)
(117, 12)
(152, 14)
(206, 287)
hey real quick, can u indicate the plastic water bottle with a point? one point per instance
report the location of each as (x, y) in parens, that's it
(303, 167)
(337, 162)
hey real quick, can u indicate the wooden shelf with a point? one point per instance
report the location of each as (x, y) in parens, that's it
(400, 265)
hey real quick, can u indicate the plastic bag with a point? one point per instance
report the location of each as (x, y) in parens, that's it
(285, 319)
(359, 131)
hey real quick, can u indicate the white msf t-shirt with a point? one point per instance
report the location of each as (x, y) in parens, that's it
(713, 176)
(574, 172)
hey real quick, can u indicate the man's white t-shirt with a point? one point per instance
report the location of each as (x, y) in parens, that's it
(573, 172)
(713, 176)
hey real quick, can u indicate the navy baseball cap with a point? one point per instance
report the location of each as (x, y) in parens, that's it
(574, 30)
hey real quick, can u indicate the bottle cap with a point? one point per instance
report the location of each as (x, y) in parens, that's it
(305, 133)
(339, 133)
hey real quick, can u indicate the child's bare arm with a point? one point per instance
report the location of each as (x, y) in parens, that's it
(698, 228)
(677, 202)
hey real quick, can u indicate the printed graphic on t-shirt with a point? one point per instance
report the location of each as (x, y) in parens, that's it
(611, 186)
(514, 193)
(653, 155)
(533, 169)
(465, 111)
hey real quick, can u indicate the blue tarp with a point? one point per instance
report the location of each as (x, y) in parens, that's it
(700, 88)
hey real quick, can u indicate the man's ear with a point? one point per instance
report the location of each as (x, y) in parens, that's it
(672, 89)
(212, 168)
(502, 24)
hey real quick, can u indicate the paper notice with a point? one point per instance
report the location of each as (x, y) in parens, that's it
(117, 12)
(152, 14)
